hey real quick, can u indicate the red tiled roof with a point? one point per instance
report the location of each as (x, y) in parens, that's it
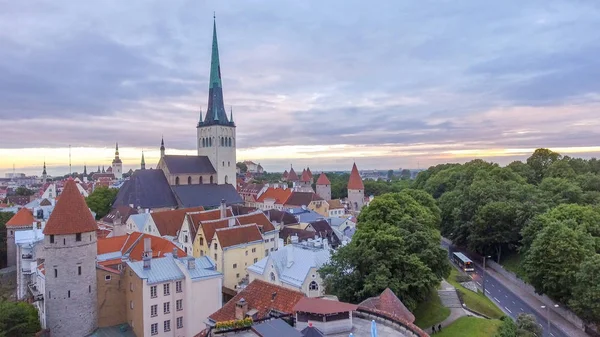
(21, 219)
(260, 219)
(133, 244)
(389, 303)
(335, 204)
(323, 180)
(237, 235)
(322, 306)
(285, 174)
(263, 297)
(355, 182)
(302, 198)
(169, 222)
(198, 217)
(292, 176)
(279, 194)
(71, 215)
(305, 176)
(309, 173)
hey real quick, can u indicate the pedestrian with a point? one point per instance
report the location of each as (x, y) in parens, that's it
(439, 327)
(433, 329)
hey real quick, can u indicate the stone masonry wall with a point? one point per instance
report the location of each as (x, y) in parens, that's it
(70, 298)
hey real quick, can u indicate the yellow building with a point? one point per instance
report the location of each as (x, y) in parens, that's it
(319, 206)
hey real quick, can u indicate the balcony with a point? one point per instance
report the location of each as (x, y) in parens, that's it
(27, 256)
(35, 292)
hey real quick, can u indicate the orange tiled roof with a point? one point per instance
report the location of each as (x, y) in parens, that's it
(335, 204)
(292, 176)
(169, 222)
(198, 217)
(71, 214)
(209, 228)
(260, 219)
(355, 182)
(133, 244)
(323, 180)
(389, 303)
(237, 235)
(23, 218)
(263, 297)
(279, 194)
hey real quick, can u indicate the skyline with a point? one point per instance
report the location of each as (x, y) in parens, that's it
(390, 86)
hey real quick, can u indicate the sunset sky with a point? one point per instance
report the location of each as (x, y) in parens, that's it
(387, 84)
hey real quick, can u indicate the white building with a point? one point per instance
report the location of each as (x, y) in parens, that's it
(28, 250)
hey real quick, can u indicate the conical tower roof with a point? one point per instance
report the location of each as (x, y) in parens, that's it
(355, 182)
(305, 176)
(71, 214)
(292, 176)
(323, 180)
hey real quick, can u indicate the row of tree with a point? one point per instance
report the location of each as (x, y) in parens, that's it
(545, 209)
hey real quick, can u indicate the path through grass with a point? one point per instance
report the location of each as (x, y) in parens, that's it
(475, 301)
(431, 311)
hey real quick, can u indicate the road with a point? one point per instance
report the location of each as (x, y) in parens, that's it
(506, 300)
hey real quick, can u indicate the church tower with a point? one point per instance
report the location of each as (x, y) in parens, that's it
(70, 249)
(44, 174)
(216, 132)
(117, 164)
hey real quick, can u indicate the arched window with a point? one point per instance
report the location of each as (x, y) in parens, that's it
(201, 180)
(221, 138)
(189, 180)
(203, 142)
(229, 141)
(176, 180)
(272, 277)
(223, 163)
(313, 286)
(211, 140)
(228, 164)
(226, 180)
(211, 179)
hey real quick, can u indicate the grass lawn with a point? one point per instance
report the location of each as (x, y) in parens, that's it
(470, 327)
(476, 302)
(512, 263)
(431, 311)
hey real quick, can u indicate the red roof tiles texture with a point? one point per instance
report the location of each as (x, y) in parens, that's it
(309, 173)
(305, 177)
(389, 303)
(169, 222)
(322, 306)
(355, 182)
(292, 176)
(237, 235)
(279, 194)
(71, 214)
(23, 218)
(323, 180)
(263, 297)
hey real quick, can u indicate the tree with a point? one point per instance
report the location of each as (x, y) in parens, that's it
(495, 226)
(101, 200)
(560, 191)
(508, 328)
(561, 169)
(527, 326)
(523, 170)
(540, 161)
(554, 254)
(405, 174)
(18, 319)
(390, 174)
(24, 191)
(242, 166)
(586, 290)
(396, 245)
(4, 217)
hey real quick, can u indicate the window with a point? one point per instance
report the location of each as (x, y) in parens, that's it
(226, 180)
(211, 179)
(189, 180)
(179, 305)
(185, 238)
(11, 232)
(200, 179)
(154, 310)
(272, 277)
(272, 249)
(179, 322)
(266, 252)
(55, 273)
(131, 305)
(313, 286)
(167, 325)
(234, 265)
(153, 292)
(229, 163)
(176, 180)
(201, 253)
(78, 270)
(223, 163)
(154, 329)
(78, 237)
(51, 238)
(215, 245)
(246, 253)
(255, 259)
(130, 286)
(166, 289)
(254, 250)
(201, 241)
(266, 240)
(178, 287)
(167, 307)
(69, 294)
(107, 278)
(272, 239)
(237, 275)
(215, 257)
(90, 288)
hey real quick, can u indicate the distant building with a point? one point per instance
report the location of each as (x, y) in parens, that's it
(117, 164)
(356, 190)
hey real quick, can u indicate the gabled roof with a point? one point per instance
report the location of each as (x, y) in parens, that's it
(188, 164)
(322, 306)
(323, 180)
(125, 211)
(146, 189)
(207, 195)
(335, 204)
(303, 234)
(355, 182)
(389, 303)
(292, 176)
(258, 218)
(262, 296)
(324, 230)
(302, 198)
(169, 222)
(237, 235)
(305, 177)
(252, 188)
(23, 218)
(71, 214)
(281, 217)
(111, 250)
(311, 331)
(280, 195)
(195, 218)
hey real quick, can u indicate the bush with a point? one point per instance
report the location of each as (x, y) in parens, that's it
(462, 278)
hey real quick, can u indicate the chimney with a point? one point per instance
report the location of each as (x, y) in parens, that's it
(191, 263)
(325, 244)
(147, 255)
(175, 250)
(231, 222)
(223, 209)
(295, 238)
(241, 309)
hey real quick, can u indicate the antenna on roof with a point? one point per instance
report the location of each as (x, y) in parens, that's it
(70, 172)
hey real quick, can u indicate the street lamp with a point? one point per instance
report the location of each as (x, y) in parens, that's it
(483, 273)
(548, 315)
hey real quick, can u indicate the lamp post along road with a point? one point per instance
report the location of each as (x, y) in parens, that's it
(483, 274)
(548, 315)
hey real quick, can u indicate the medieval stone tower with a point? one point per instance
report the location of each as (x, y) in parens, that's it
(70, 295)
(21, 221)
(216, 132)
(323, 187)
(356, 190)
(117, 164)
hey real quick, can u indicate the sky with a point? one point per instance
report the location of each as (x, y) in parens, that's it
(387, 84)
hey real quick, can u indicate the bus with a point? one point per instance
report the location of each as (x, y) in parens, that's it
(463, 262)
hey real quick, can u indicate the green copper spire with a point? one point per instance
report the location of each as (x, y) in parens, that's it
(215, 111)
(215, 66)
(231, 115)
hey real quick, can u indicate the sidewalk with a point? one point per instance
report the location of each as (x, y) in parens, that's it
(564, 325)
(450, 300)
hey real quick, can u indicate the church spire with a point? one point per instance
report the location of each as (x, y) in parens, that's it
(44, 171)
(231, 115)
(215, 112)
(143, 165)
(200, 121)
(162, 147)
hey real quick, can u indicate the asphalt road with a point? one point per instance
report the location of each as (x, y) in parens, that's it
(506, 300)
